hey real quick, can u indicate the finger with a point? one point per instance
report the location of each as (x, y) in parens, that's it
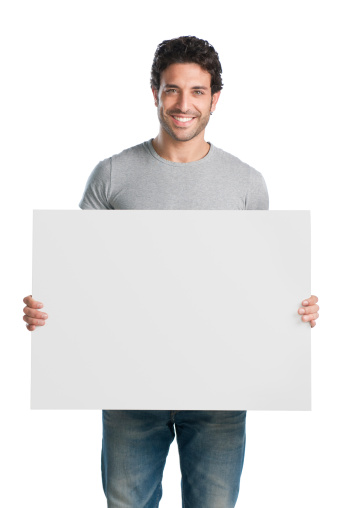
(310, 317)
(310, 301)
(35, 313)
(308, 310)
(30, 328)
(30, 302)
(33, 321)
(313, 323)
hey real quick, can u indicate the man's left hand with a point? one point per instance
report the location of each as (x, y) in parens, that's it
(309, 310)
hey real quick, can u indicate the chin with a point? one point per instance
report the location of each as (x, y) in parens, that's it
(181, 136)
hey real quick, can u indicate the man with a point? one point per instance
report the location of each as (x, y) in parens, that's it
(176, 170)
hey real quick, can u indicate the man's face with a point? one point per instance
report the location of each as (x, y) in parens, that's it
(184, 100)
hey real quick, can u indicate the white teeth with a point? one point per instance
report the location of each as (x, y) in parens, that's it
(183, 119)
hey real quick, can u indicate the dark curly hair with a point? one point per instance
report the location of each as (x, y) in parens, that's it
(187, 49)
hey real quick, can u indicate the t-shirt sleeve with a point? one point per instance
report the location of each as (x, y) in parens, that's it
(257, 196)
(97, 189)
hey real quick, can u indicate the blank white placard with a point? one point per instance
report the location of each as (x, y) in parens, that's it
(171, 310)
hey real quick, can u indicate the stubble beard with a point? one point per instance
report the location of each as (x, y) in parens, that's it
(179, 133)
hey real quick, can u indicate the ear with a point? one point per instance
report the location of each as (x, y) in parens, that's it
(215, 98)
(155, 96)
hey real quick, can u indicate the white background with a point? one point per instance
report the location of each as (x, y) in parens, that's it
(75, 90)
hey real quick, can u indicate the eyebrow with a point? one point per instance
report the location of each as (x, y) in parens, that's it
(199, 87)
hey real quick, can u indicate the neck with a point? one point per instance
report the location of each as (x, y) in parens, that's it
(180, 151)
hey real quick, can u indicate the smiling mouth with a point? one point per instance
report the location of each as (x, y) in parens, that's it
(183, 120)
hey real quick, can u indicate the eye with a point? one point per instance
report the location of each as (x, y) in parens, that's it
(199, 92)
(171, 90)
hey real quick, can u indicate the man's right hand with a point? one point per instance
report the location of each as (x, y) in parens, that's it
(33, 316)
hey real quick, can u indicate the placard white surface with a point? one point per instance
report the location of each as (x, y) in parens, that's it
(171, 309)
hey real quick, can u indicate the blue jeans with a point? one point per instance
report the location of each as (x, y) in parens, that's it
(135, 445)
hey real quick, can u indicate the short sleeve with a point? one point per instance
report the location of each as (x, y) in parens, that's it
(97, 189)
(257, 196)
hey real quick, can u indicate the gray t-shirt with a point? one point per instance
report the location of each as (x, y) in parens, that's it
(139, 179)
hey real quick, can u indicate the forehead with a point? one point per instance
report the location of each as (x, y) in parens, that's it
(185, 74)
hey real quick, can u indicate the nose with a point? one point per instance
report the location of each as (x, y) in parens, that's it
(183, 101)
